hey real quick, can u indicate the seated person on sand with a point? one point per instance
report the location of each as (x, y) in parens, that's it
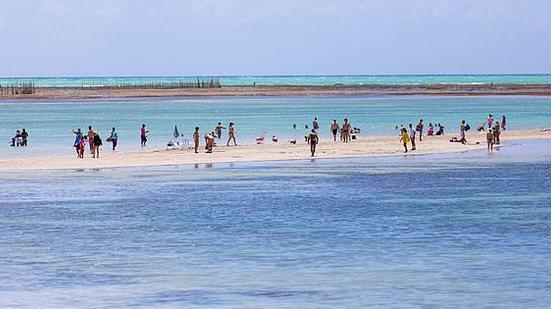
(440, 130)
(480, 128)
(430, 131)
(274, 139)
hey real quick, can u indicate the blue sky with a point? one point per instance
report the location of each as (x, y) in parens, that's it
(243, 37)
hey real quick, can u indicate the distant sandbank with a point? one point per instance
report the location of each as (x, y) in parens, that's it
(370, 146)
(52, 93)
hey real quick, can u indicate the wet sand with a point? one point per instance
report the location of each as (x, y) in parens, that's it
(54, 93)
(370, 146)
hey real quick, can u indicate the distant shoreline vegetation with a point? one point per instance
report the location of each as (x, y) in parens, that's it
(278, 80)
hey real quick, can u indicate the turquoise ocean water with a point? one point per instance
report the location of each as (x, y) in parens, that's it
(290, 79)
(50, 122)
(450, 230)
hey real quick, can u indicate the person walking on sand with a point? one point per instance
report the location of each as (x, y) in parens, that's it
(334, 129)
(90, 137)
(313, 138)
(404, 139)
(196, 136)
(412, 136)
(231, 135)
(490, 140)
(419, 128)
(218, 130)
(315, 124)
(345, 130)
(503, 122)
(143, 135)
(462, 130)
(97, 144)
(113, 138)
(78, 137)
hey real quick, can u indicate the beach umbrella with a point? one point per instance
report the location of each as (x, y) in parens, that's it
(176, 133)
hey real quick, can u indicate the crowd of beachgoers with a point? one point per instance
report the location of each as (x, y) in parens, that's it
(340, 132)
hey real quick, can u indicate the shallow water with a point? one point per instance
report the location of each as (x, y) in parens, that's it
(469, 229)
(50, 123)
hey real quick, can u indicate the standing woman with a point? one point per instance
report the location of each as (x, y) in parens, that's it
(345, 131)
(114, 137)
(503, 122)
(334, 129)
(196, 136)
(97, 144)
(231, 135)
(313, 138)
(90, 137)
(143, 135)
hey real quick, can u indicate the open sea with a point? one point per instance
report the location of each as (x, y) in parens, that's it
(449, 230)
(290, 79)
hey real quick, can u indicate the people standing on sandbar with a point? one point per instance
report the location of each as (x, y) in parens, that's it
(412, 136)
(143, 135)
(90, 137)
(196, 137)
(113, 138)
(218, 130)
(231, 135)
(419, 128)
(490, 140)
(313, 139)
(78, 137)
(497, 132)
(345, 131)
(462, 129)
(404, 139)
(335, 129)
(97, 144)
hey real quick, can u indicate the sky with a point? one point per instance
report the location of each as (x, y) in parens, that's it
(273, 37)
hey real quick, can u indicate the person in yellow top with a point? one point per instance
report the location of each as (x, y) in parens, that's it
(405, 139)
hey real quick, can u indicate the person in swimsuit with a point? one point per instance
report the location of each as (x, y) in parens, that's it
(497, 132)
(209, 139)
(315, 124)
(90, 137)
(196, 136)
(313, 139)
(503, 122)
(419, 128)
(334, 129)
(490, 140)
(345, 131)
(430, 131)
(143, 135)
(490, 121)
(218, 130)
(231, 135)
(24, 137)
(404, 139)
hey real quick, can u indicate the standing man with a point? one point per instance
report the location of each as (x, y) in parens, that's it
(462, 130)
(334, 129)
(143, 135)
(315, 124)
(412, 136)
(218, 129)
(114, 138)
(419, 128)
(503, 122)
